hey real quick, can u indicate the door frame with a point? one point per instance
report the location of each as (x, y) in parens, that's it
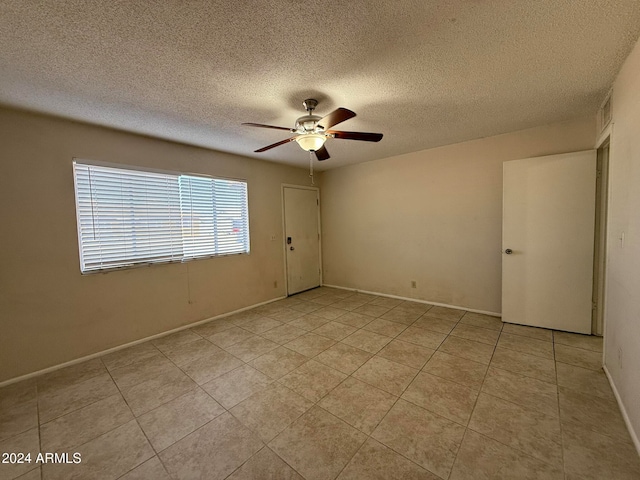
(284, 232)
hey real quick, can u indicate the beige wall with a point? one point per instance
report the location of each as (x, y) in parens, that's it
(622, 305)
(432, 216)
(50, 313)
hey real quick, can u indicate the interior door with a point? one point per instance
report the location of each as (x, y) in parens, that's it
(547, 241)
(302, 238)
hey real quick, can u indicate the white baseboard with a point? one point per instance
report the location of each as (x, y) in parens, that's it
(130, 344)
(627, 421)
(484, 312)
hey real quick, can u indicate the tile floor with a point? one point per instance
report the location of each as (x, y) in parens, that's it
(329, 384)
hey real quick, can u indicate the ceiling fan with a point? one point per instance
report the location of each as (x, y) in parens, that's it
(311, 131)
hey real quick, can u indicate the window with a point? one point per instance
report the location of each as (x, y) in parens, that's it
(130, 217)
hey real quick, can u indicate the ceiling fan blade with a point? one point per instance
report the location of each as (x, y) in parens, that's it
(265, 126)
(322, 154)
(269, 147)
(364, 136)
(337, 116)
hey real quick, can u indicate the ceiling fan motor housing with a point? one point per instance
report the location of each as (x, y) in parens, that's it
(308, 124)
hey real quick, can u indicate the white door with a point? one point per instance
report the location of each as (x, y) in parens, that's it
(302, 238)
(547, 241)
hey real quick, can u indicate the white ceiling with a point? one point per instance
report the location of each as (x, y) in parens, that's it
(424, 73)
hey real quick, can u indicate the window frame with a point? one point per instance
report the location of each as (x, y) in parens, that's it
(142, 169)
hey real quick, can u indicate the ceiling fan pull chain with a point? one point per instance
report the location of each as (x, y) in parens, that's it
(311, 166)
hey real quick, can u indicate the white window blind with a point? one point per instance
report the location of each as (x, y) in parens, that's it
(128, 217)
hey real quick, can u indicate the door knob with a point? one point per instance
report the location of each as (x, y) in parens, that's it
(291, 248)
(508, 251)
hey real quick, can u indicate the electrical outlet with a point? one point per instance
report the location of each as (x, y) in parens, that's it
(620, 358)
(413, 284)
(273, 237)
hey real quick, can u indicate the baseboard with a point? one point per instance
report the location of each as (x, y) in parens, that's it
(130, 344)
(627, 421)
(484, 312)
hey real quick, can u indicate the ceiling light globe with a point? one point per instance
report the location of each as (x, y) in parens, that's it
(311, 141)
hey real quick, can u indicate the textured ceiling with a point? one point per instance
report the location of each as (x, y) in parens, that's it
(424, 73)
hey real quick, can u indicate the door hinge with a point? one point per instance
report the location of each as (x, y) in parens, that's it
(594, 306)
(598, 173)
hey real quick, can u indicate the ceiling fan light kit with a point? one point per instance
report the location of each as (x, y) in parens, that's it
(312, 131)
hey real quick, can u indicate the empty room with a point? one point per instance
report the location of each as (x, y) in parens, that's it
(317, 241)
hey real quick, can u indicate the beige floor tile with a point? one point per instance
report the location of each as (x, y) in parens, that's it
(421, 436)
(110, 455)
(268, 309)
(477, 334)
(327, 299)
(386, 375)
(230, 336)
(374, 461)
(443, 397)
(235, 386)
(309, 322)
(528, 345)
(179, 417)
(424, 338)
(287, 315)
(155, 391)
(359, 404)
(408, 354)
(84, 424)
(445, 313)
(246, 315)
(28, 443)
(435, 324)
(313, 380)
(525, 391)
(400, 315)
(265, 465)
(271, 410)
(306, 307)
(310, 344)
(418, 307)
(334, 330)
(283, 334)
(261, 324)
(311, 294)
(528, 431)
(214, 326)
(18, 409)
(355, 319)
(152, 469)
(278, 362)
(134, 373)
(386, 302)
(343, 357)
(213, 451)
(461, 347)
(372, 310)
(584, 380)
(385, 327)
(598, 414)
(71, 375)
(205, 369)
(35, 474)
(457, 369)
(531, 332)
(129, 355)
(350, 303)
(58, 402)
(318, 445)
(187, 353)
(330, 313)
(480, 320)
(175, 339)
(251, 348)
(576, 340)
(481, 458)
(592, 456)
(528, 365)
(578, 357)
